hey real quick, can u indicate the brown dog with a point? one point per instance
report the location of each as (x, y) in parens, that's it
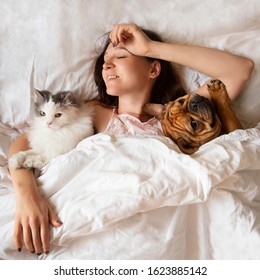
(192, 120)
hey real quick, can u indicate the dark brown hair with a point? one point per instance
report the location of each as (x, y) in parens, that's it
(166, 88)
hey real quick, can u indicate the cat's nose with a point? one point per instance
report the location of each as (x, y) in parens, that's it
(49, 123)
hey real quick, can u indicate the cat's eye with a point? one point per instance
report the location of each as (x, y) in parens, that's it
(42, 113)
(58, 115)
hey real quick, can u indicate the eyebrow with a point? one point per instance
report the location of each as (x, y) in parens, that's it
(117, 48)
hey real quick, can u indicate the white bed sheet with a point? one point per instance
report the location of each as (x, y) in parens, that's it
(133, 198)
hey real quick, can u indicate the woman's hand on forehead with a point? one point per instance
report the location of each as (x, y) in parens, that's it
(131, 37)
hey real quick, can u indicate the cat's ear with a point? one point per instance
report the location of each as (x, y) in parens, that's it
(71, 98)
(67, 94)
(67, 97)
(41, 95)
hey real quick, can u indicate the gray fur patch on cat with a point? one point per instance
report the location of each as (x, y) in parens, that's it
(61, 98)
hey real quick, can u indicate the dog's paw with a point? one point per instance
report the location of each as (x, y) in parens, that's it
(218, 92)
(37, 161)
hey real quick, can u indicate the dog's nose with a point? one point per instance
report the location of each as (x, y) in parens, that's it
(194, 106)
(202, 107)
(197, 101)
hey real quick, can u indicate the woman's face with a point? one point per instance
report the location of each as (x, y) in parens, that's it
(125, 73)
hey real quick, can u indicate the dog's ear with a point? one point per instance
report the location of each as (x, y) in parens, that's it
(153, 109)
(186, 147)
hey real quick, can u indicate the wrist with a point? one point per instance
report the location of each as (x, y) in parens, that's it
(153, 49)
(23, 181)
(163, 51)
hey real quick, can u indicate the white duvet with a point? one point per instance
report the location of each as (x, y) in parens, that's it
(140, 198)
(134, 197)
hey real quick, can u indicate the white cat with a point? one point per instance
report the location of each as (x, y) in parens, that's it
(60, 123)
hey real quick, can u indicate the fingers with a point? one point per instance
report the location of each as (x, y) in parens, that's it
(114, 36)
(36, 239)
(27, 238)
(18, 237)
(121, 32)
(33, 229)
(45, 237)
(53, 218)
(34, 234)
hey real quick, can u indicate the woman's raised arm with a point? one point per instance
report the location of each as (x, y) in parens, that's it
(232, 70)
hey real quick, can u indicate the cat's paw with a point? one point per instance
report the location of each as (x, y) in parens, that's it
(27, 159)
(35, 161)
(16, 161)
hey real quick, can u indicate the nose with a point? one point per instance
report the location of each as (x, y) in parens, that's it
(49, 123)
(198, 102)
(108, 65)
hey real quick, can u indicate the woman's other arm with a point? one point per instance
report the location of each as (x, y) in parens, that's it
(33, 214)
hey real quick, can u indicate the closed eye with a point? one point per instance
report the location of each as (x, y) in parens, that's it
(58, 115)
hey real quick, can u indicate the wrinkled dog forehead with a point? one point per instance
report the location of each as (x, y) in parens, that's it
(181, 101)
(189, 99)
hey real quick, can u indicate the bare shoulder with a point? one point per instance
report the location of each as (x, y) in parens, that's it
(99, 107)
(102, 115)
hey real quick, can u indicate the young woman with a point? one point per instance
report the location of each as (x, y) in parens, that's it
(133, 69)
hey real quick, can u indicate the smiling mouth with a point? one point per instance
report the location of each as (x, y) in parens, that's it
(112, 77)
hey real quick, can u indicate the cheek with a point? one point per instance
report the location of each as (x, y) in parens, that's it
(142, 72)
(103, 75)
(61, 120)
(41, 120)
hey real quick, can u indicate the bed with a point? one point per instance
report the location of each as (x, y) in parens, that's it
(133, 198)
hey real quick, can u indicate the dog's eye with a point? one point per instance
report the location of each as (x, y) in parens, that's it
(181, 101)
(194, 124)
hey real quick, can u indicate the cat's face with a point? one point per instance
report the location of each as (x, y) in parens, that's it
(55, 110)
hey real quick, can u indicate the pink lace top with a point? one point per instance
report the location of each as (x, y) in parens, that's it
(127, 125)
